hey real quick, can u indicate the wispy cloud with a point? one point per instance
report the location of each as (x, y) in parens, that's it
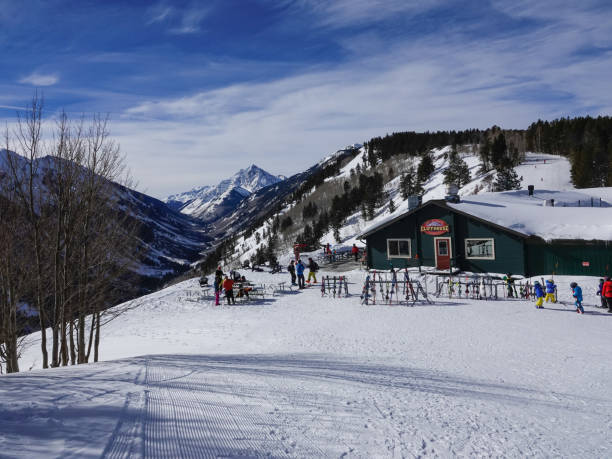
(190, 21)
(185, 20)
(429, 83)
(40, 79)
(159, 12)
(343, 13)
(322, 74)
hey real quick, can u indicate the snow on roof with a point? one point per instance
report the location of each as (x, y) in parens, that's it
(572, 217)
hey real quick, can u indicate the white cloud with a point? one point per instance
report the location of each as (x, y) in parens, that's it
(190, 21)
(342, 13)
(180, 20)
(439, 82)
(40, 79)
(159, 13)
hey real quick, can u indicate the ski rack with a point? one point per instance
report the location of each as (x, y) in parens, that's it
(482, 288)
(334, 287)
(393, 288)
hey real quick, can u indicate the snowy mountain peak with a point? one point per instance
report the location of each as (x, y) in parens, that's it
(253, 178)
(212, 202)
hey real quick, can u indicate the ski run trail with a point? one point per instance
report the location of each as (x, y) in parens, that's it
(298, 375)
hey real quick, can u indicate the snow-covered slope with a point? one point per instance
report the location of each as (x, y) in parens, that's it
(298, 375)
(209, 203)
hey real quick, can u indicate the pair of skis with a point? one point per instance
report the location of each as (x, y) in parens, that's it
(337, 288)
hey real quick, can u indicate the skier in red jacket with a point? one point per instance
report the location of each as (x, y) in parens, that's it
(606, 292)
(355, 252)
(228, 286)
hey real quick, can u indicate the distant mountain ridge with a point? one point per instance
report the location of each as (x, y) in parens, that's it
(210, 203)
(170, 240)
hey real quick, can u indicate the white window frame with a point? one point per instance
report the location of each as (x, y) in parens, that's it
(389, 256)
(492, 257)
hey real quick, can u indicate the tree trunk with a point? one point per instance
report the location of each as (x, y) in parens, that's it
(97, 339)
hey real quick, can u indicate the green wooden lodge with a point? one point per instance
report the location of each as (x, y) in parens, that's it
(444, 236)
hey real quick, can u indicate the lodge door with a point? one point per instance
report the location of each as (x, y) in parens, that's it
(443, 252)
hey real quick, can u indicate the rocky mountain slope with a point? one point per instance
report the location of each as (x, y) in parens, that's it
(209, 203)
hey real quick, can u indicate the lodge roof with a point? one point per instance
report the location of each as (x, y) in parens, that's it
(520, 215)
(442, 204)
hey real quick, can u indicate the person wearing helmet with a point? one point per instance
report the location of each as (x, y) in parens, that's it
(601, 297)
(606, 292)
(539, 294)
(550, 291)
(577, 294)
(218, 284)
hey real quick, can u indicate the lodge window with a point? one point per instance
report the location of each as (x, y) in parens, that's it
(480, 249)
(398, 248)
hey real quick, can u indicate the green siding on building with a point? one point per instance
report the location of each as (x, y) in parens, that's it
(567, 257)
(509, 251)
(377, 245)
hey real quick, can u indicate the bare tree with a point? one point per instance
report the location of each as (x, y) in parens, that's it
(13, 269)
(28, 192)
(81, 238)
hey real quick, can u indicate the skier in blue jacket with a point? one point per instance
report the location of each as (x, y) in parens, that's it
(299, 269)
(539, 294)
(577, 294)
(550, 291)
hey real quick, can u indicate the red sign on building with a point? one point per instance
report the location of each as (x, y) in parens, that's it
(586, 264)
(434, 227)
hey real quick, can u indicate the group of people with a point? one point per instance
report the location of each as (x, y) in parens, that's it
(331, 254)
(225, 283)
(547, 293)
(605, 293)
(296, 271)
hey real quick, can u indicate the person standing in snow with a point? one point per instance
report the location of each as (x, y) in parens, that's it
(550, 291)
(355, 252)
(601, 297)
(299, 268)
(539, 294)
(218, 284)
(228, 286)
(312, 269)
(509, 284)
(577, 293)
(606, 292)
(291, 269)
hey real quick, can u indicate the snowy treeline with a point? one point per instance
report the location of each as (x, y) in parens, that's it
(63, 245)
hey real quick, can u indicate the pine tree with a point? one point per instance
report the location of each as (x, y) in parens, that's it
(426, 168)
(408, 184)
(457, 171)
(498, 151)
(337, 234)
(507, 179)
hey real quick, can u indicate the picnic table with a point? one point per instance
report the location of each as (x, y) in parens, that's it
(250, 291)
(201, 294)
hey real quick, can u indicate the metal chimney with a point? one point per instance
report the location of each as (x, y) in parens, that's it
(414, 201)
(452, 193)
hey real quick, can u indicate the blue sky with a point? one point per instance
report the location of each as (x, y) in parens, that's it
(196, 90)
